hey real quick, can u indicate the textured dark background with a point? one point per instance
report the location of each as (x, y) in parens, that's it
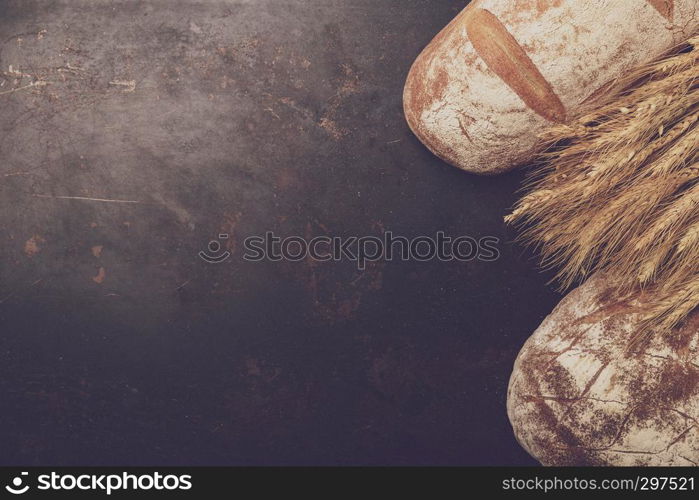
(245, 116)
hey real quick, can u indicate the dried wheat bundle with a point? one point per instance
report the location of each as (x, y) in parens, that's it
(617, 189)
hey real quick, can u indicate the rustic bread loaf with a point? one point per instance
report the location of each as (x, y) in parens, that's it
(577, 396)
(503, 70)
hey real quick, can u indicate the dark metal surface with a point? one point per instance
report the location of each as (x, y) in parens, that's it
(243, 117)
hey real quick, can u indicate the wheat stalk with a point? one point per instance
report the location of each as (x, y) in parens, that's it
(617, 189)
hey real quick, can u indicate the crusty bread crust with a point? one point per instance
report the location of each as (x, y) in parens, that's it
(507, 59)
(503, 70)
(577, 396)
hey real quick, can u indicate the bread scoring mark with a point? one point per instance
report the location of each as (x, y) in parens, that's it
(464, 122)
(507, 59)
(665, 7)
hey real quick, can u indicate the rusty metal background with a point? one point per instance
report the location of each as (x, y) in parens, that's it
(152, 126)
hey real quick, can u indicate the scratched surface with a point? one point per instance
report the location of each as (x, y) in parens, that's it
(132, 134)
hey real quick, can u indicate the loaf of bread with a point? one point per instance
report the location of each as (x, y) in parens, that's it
(503, 70)
(578, 396)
